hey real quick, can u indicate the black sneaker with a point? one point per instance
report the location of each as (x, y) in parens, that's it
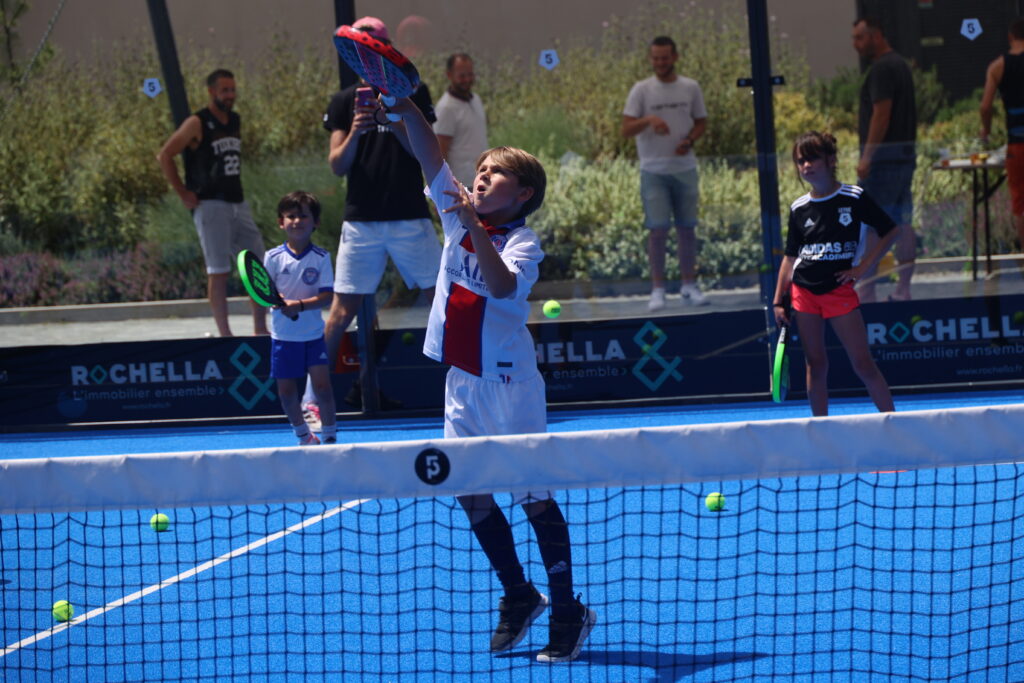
(566, 638)
(514, 617)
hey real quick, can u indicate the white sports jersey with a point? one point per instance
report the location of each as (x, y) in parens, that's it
(299, 276)
(468, 328)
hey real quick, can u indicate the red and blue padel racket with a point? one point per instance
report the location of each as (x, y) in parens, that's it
(378, 63)
(780, 367)
(257, 281)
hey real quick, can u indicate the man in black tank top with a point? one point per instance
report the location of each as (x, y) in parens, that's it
(1006, 74)
(211, 142)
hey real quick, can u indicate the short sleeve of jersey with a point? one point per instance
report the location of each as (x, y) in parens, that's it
(523, 255)
(634, 102)
(874, 215)
(326, 283)
(445, 180)
(794, 237)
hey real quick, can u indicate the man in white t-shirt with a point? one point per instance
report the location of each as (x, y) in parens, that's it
(666, 115)
(461, 126)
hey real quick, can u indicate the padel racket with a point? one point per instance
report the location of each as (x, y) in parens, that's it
(378, 63)
(780, 368)
(257, 281)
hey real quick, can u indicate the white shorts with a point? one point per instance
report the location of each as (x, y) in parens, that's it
(225, 228)
(365, 246)
(480, 407)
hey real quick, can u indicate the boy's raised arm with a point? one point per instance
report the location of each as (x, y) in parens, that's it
(421, 137)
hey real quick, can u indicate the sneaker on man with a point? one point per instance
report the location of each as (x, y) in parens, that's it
(330, 439)
(311, 414)
(566, 638)
(309, 440)
(657, 301)
(692, 296)
(515, 617)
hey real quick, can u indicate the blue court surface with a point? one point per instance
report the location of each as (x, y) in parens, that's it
(896, 576)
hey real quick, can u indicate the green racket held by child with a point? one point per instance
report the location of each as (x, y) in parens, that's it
(257, 281)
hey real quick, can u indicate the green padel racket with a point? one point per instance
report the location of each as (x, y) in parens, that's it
(780, 368)
(257, 281)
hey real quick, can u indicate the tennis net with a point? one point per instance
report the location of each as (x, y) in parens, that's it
(874, 547)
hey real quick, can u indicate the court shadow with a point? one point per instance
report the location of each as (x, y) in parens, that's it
(667, 667)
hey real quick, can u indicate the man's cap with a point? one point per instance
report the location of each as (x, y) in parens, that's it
(372, 25)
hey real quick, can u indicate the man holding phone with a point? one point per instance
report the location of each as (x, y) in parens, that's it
(386, 213)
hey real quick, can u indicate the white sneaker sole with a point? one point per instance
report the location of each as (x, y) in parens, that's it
(588, 626)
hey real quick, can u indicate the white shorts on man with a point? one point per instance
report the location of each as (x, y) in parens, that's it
(365, 246)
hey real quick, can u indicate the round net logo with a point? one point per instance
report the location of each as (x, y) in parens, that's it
(432, 466)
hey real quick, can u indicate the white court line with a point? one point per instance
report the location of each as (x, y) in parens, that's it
(43, 635)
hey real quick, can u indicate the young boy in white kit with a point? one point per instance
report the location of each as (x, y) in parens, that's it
(477, 325)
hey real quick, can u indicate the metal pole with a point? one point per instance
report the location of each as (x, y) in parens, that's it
(345, 13)
(767, 165)
(168, 55)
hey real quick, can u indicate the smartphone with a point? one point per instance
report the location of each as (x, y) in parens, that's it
(365, 98)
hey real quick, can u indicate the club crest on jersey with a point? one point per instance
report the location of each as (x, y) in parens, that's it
(845, 215)
(310, 275)
(499, 242)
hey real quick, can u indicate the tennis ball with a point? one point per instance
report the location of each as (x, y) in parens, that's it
(916, 319)
(408, 338)
(715, 502)
(1018, 318)
(63, 610)
(159, 522)
(552, 308)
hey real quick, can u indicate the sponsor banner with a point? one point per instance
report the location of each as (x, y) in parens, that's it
(948, 341)
(664, 357)
(933, 342)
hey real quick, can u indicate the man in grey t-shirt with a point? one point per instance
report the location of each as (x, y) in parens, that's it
(666, 115)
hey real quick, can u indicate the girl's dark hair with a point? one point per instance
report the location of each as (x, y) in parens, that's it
(813, 145)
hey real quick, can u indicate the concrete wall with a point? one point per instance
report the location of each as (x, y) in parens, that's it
(822, 27)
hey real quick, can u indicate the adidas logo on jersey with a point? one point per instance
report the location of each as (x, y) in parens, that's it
(809, 223)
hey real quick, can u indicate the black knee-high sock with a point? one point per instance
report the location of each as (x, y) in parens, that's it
(553, 538)
(495, 537)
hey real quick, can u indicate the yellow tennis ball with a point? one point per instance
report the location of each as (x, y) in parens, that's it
(63, 610)
(715, 502)
(159, 522)
(1018, 317)
(552, 308)
(408, 338)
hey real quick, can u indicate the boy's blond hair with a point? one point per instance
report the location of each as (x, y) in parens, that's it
(526, 168)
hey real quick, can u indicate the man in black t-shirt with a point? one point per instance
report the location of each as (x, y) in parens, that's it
(386, 212)
(887, 125)
(211, 141)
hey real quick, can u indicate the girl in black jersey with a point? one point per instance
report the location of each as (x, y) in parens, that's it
(824, 258)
